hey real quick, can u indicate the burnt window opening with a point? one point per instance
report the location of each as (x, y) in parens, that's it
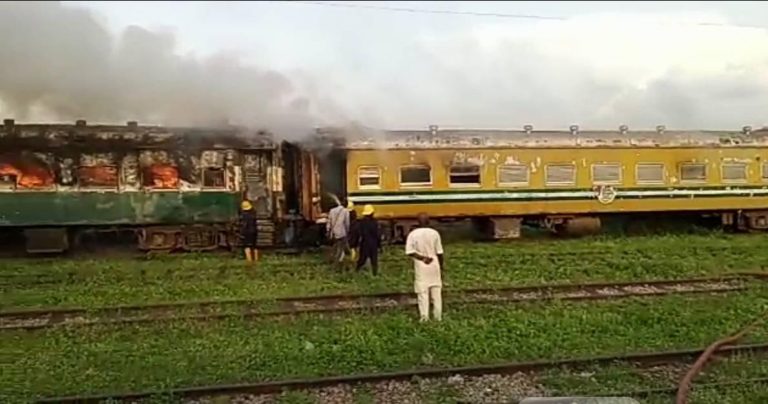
(417, 175)
(7, 181)
(214, 177)
(465, 174)
(97, 176)
(26, 176)
(160, 176)
(369, 177)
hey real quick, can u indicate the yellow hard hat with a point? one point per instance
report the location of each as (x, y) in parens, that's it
(246, 205)
(367, 210)
(350, 205)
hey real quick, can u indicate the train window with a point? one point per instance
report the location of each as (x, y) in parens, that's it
(649, 173)
(368, 177)
(465, 174)
(214, 177)
(416, 175)
(161, 176)
(513, 174)
(765, 171)
(734, 172)
(693, 172)
(97, 176)
(606, 173)
(561, 174)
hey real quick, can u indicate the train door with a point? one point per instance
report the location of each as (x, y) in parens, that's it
(333, 177)
(258, 178)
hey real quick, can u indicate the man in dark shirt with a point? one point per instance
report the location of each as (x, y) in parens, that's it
(369, 240)
(248, 231)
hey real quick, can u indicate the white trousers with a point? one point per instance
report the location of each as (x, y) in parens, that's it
(423, 297)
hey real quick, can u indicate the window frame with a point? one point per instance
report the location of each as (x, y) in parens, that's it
(114, 187)
(763, 171)
(745, 170)
(527, 182)
(547, 183)
(152, 188)
(223, 176)
(663, 180)
(415, 184)
(360, 177)
(696, 181)
(616, 182)
(477, 184)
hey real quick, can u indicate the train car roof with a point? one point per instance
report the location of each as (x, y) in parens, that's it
(130, 135)
(367, 138)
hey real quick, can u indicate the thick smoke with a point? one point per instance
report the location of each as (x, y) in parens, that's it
(59, 63)
(598, 70)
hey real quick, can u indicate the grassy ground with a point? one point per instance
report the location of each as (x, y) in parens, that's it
(68, 361)
(126, 281)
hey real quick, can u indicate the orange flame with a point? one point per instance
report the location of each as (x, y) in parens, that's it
(33, 177)
(98, 176)
(164, 176)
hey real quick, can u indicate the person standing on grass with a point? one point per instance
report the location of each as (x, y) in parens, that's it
(354, 233)
(369, 240)
(338, 230)
(424, 246)
(248, 231)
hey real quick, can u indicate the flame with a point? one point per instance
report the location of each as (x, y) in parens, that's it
(164, 176)
(100, 176)
(33, 177)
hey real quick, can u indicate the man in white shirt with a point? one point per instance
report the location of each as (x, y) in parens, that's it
(338, 230)
(423, 245)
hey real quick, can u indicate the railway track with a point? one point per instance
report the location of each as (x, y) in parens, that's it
(32, 319)
(249, 390)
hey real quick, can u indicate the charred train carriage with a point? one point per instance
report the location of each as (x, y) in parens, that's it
(172, 188)
(180, 188)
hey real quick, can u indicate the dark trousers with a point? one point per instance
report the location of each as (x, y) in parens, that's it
(368, 252)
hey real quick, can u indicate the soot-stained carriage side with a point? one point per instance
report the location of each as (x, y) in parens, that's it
(173, 188)
(567, 181)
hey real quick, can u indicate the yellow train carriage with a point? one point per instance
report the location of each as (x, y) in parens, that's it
(557, 175)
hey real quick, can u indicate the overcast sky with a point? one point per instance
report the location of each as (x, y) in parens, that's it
(605, 64)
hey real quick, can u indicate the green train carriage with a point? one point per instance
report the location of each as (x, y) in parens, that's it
(175, 188)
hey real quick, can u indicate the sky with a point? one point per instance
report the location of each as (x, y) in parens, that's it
(302, 64)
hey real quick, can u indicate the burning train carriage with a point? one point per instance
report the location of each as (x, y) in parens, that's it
(566, 181)
(175, 188)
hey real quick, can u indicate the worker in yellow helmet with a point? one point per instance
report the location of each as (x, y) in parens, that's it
(353, 232)
(248, 231)
(369, 240)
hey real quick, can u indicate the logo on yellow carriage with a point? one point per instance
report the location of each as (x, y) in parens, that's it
(605, 194)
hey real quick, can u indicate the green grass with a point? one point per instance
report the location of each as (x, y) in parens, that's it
(69, 361)
(127, 281)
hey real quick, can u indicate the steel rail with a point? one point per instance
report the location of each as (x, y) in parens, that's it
(45, 318)
(272, 387)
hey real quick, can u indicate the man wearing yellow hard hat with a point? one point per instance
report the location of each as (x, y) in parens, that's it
(248, 231)
(369, 240)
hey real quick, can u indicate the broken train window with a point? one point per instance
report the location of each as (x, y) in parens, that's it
(369, 176)
(416, 175)
(99, 176)
(161, 176)
(214, 175)
(464, 174)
